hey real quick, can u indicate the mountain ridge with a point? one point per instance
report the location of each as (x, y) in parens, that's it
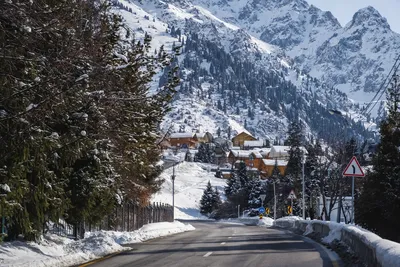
(234, 79)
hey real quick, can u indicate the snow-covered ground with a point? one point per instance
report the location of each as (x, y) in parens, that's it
(264, 222)
(56, 251)
(190, 182)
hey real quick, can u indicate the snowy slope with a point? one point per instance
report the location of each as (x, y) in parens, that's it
(190, 182)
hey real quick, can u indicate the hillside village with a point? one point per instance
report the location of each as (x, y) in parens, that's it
(259, 156)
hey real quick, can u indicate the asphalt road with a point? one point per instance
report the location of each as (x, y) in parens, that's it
(219, 245)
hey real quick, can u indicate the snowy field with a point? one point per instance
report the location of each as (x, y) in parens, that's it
(56, 251)
(190, 182)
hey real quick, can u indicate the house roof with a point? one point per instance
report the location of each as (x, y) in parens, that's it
(244, 133)
(241, 153)
(181, 135)
(202, 135)
(265, 151)
(279, 151)
(281, 148)
(271, 162)
(256, 143)
(256, 154)
(246, 153)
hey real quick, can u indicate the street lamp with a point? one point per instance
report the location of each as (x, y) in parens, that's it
(274, 201)
(173, 191)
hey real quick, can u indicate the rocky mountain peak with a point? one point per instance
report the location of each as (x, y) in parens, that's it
(320, 18)
(370, 17)
(296, 4)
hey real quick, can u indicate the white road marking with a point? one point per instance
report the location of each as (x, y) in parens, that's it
(207, 254)
(229, 237)
(223, 243)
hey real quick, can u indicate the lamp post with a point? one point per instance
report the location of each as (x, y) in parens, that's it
(173, 192)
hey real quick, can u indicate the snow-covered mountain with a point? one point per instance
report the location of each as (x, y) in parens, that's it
(354, 58)
(233, 80)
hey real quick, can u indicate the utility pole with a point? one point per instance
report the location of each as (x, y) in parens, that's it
(274, 202)
(304, 189)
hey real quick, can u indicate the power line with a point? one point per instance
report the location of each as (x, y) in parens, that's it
(383, 87)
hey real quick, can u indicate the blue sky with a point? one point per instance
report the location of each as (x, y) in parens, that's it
(344, 10)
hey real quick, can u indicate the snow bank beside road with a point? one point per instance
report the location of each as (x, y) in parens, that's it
(148, 231)
(387, 252)
(265, 221)
(56, 251)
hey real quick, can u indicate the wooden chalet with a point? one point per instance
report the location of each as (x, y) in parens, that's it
(239, 139)
(204, 137)
(183, 140)
(268, 165)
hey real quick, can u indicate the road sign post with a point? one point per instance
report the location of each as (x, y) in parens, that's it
(353, 169)
(291, 207)
(262, 196)
(291, 196)
(261, 210)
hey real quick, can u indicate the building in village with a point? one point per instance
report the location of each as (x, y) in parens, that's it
(239, 139)
(205, 137)
(244, 148)
(183, 140)
(263, 159)
(268, 165)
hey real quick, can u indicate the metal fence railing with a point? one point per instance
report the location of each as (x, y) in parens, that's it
(127, 217)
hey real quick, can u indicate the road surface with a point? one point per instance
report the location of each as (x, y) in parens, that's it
(220, 244)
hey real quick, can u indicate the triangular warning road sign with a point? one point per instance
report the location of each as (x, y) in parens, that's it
(292, 195)
(353, 168)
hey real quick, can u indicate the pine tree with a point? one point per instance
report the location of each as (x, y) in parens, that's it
(237, 189)
(216, 200)
(204, 154)
(255, 188)
(293, 173)
(219, 132)
(380, 197)
(69, 146)
(228, 132)
(208, 200)
(312, 169)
